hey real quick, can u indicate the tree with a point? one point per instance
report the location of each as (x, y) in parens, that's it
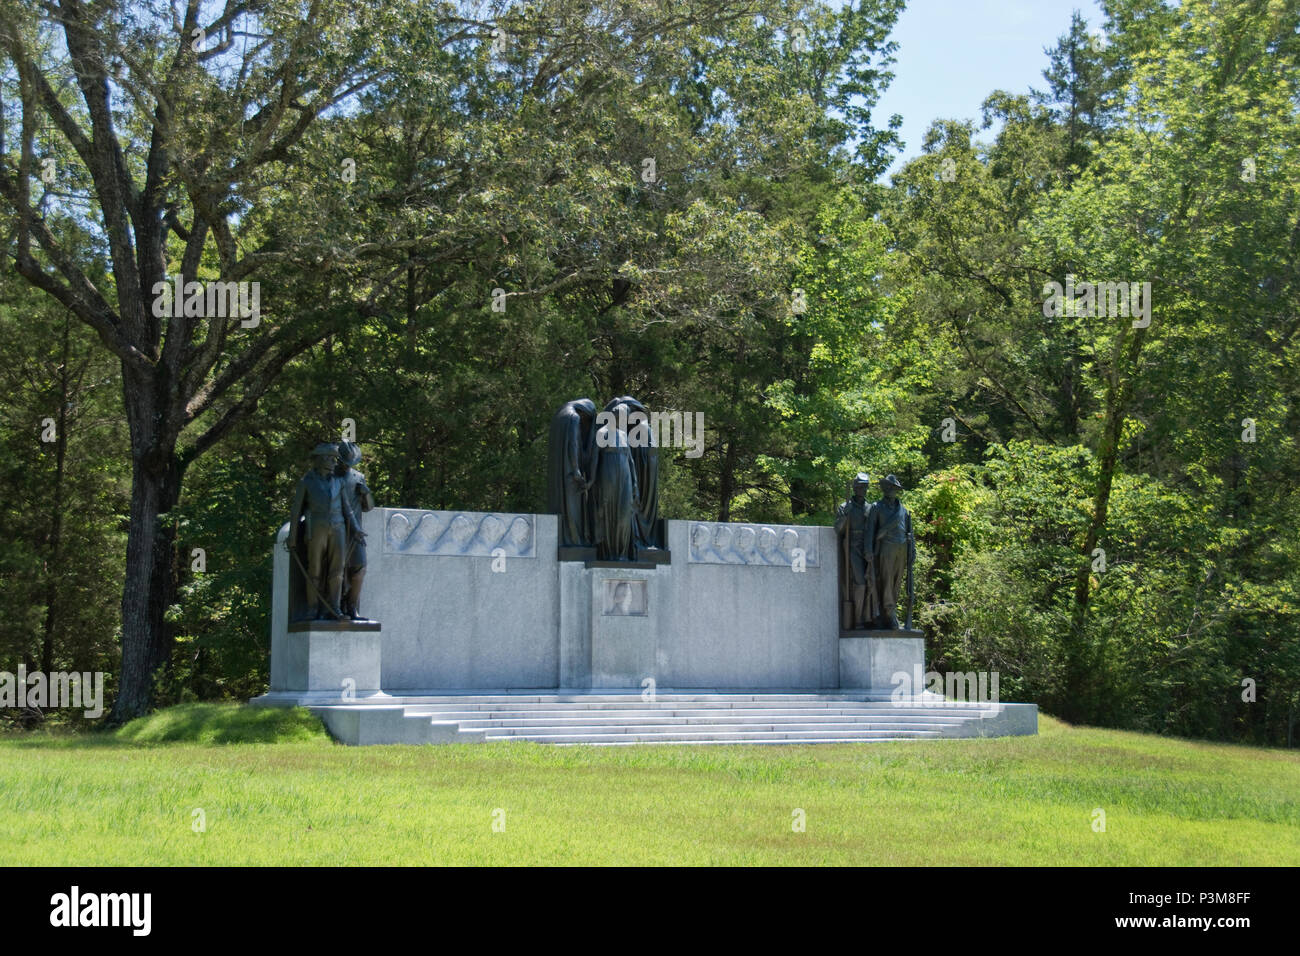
(186, 148)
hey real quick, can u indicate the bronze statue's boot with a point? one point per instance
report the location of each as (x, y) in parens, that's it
(354, 597)
(336, 596)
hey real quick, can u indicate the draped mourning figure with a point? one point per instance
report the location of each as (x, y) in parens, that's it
(645, 462)
(602, 481)
(616, 493)
(571, 471)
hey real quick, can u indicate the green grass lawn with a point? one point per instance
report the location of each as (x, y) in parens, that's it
(274, 789)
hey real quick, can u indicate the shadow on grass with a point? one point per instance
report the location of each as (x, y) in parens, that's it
(228, 723)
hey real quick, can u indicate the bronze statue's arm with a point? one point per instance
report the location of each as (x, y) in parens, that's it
(349, 514)
(363, 493)
(869, 529)
(589, 458)
(841, 518)
(295, 512)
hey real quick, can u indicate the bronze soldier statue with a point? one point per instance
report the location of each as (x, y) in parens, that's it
(319, 499)
(857, 573)
(357, 500)
(889, 528)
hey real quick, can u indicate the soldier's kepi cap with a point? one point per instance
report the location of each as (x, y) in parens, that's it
(325, 448)
(889, 481)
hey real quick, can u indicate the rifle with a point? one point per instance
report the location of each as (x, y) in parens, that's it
(872, 608)
(911, 559)
(312, 584)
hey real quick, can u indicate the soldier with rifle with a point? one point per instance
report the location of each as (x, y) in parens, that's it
(889, 527)
(858, 601)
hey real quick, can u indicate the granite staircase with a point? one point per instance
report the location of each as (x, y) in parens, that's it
(692, 717)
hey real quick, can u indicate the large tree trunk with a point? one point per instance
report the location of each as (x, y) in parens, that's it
(149, 590)
(150, 585)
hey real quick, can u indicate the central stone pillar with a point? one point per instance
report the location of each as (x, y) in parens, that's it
(624, 637)
(609, 618)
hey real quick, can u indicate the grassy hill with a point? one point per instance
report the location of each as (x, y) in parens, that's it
(269, 787)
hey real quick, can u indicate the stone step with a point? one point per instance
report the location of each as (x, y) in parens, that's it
(634, 696)
(769, 728)
(723, 736)
(919, 723)
(973, 710)
(610, 742)
(603, 717)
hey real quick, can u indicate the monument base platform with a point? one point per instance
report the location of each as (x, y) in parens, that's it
(667, 717)
(644, 556)
(873, 658)
(324, 658)
(345, 624)
(886, 632)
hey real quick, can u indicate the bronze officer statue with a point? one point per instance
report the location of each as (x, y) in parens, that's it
(889, 528)
(318, 502)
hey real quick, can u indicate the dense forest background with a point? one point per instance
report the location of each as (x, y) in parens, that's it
(455, 229)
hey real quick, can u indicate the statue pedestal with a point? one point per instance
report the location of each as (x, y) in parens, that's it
(624, 622)
(870, 659)
(332, 656)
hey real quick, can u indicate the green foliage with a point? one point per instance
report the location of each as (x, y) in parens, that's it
(60, 515)
(388, 229)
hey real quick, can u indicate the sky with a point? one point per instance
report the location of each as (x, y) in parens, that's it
(953, 53)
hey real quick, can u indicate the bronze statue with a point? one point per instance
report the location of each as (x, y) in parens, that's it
(889, 528)
(571, 470)
(318, 504)
(602, 481)
(859, 607)
(357, 500)
(616, 495)
(645, 462)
